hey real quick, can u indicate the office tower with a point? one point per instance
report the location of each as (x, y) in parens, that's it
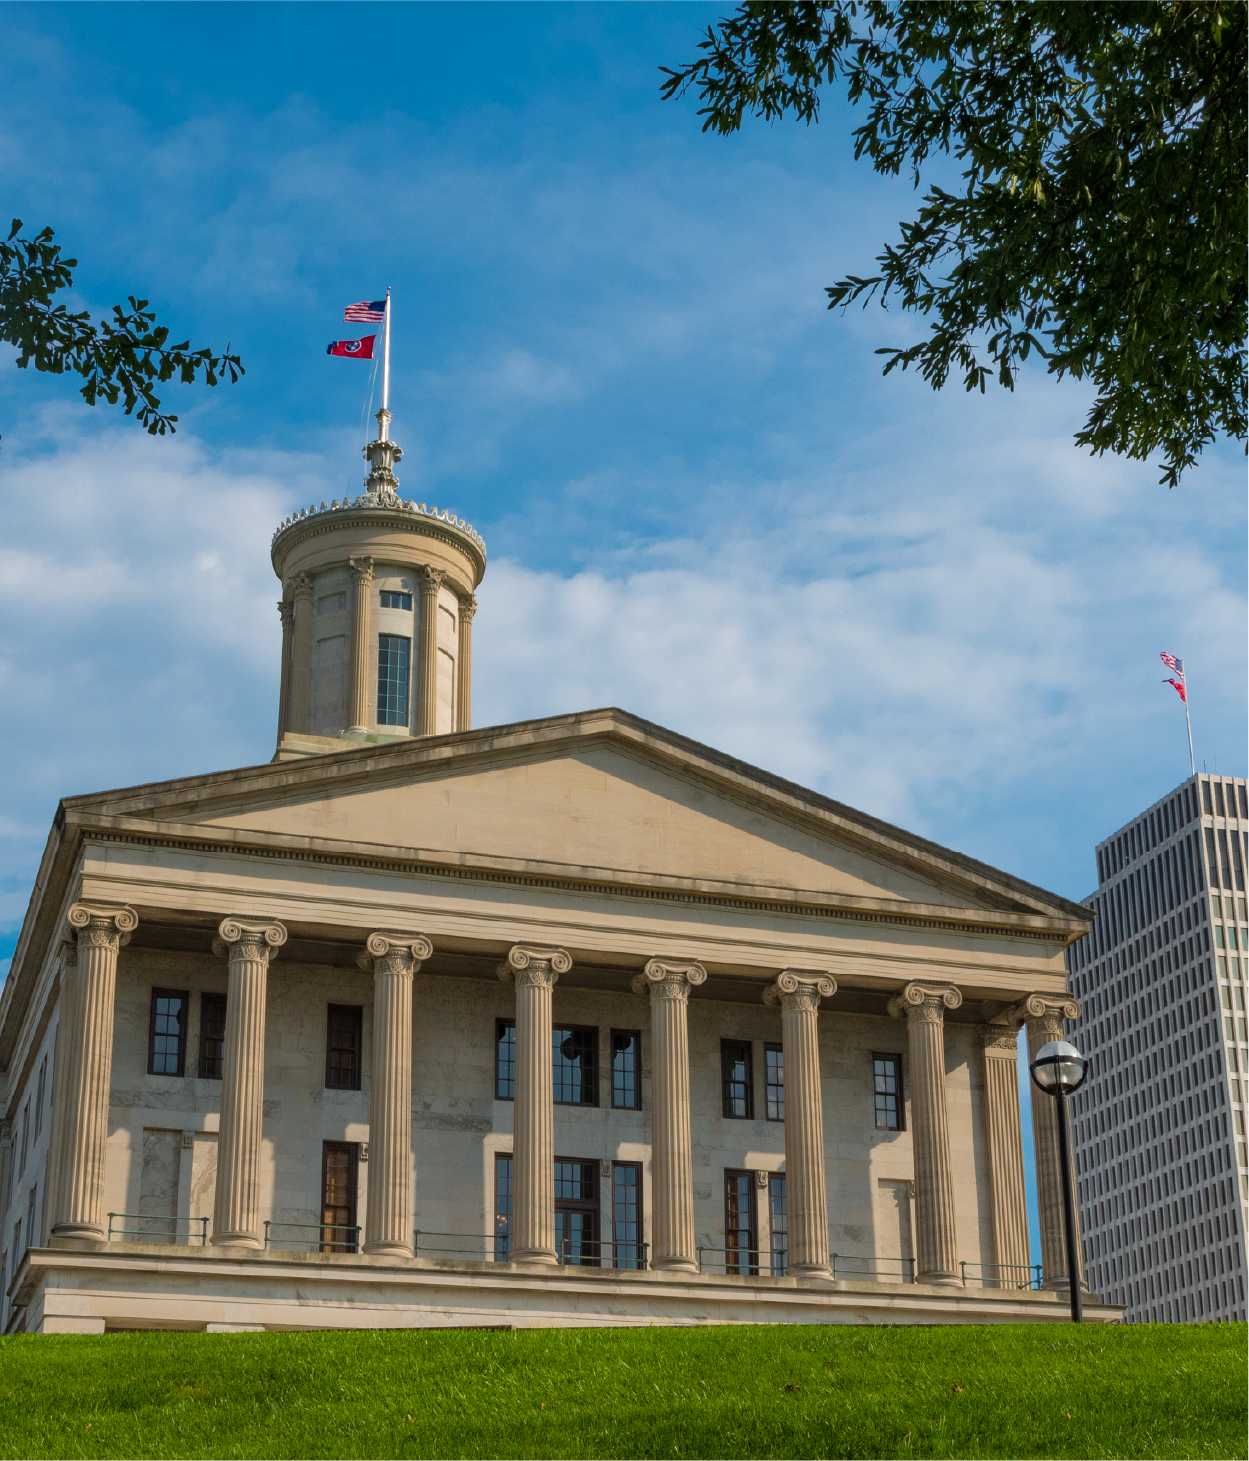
(1159, 1126)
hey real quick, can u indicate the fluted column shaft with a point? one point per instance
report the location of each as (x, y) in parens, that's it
(430, 581)
(101, 931)
(249, 947)
(534, 973)
(358, 707)
(672, 1159)
(286, 610)
(798, 992)
(301, 654)
(1004, 1144)
(464, 665)
(936, 1237)
(1045, 1015)
(394, 959)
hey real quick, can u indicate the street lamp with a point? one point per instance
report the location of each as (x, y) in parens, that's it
(1059, 1070)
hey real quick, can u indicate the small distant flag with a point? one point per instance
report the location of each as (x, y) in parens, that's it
(1172, 663)
(371, 312)
(1179, 689)
(352, 349)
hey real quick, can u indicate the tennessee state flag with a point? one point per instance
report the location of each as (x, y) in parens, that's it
(352, 349)
(1179, 689)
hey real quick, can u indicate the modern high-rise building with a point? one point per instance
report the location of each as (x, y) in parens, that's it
(1160, 1123)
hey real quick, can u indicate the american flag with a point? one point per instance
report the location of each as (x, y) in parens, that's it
(1172, 663)
(368, 312)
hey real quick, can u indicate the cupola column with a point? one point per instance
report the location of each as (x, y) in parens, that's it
(361, 624)
(1004, 1148)
(249, 947)
(464, 664)
(924, 1006)
(798, 992)
(534, 973)
(430, 581)
(301, 653)
(394, 959)
(286, 611)
(101, 931)
(672, 1162)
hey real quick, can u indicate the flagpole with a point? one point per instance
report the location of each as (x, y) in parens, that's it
(386, 361)
(1188, 721)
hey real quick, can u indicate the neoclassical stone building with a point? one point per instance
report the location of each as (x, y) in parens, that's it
(573, 1021)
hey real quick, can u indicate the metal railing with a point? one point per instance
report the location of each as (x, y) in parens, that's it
(484, 1245)
(602, 1253)
(349, 1244)
(876, 1269)
(1003, 1275)
(161, 1234)
(743, 1262)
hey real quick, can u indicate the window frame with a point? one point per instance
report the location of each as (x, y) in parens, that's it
(725, 1046)
(208, 999)
(591, 1206)
(773, 1047)
(894, 1056)
(402, 715)
(590, 1084)
(399, 593)
(351, 1149)
(637, 1244)
(636, 1036)
(357, 1021)
(183, 997)
(778, 1270)
(501, 1025)
(733, 1175)
(503, 1219)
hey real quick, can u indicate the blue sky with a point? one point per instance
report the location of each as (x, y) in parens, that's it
(612, 355)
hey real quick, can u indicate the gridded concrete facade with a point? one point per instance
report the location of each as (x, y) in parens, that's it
(1160, 1124)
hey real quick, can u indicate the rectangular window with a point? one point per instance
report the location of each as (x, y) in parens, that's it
(394, 654)
(166, 1041)
(344, 1036)
(575, 1065)
(780, 1223)
(626, 1215)
(735, 1079)
(576, 1212)
(626, 1070)
(887, 1074)
(391, 599)
(39, 1095)
(339, 1185)
(502, 1205)
(1218, 798)
(741, 1253)
(505, 1060)
(774, 1081)
(212, 1036)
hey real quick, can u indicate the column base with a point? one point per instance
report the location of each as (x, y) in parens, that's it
(808, 1270)
(545, 1256)
(78, 1233)
(940, 1279)
(237, 1240)
(383, 1249)
(674, 1265)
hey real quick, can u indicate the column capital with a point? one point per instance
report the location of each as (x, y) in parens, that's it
(925, 1003)
(301, 587)
(527, 965)
(252, 940)
(999, 1042)
(102, 925)
(668, 979)
(430, 578)
(1047, 1010)
(394, 953)
(468, 606)
(800, 989)
(361, 571)
(286, 612)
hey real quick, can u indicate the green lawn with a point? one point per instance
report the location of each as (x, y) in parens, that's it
(758, 1391)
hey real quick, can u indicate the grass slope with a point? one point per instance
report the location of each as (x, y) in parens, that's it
(753, 1391)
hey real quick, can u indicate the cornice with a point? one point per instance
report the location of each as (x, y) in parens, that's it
(401, 514)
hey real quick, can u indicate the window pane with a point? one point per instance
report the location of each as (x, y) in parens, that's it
(344, 1024)
(212, 1036)
(393, 600)
(505, 1061)
(887, 1074)
(626, 1215)
(774, 1078)
(626, 1070)
(338, 1197)
(739, 1223)
(166, 1034)
(735, 1074)
(575, 1065)
(502, 1206)
(780, 1223)
(393, 656)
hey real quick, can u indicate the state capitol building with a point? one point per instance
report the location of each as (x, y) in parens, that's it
(568, 1022)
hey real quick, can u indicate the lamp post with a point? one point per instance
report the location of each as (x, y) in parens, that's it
(1059, 1070)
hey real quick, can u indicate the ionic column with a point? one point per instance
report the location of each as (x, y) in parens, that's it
(286, 609)
(798, 992)
(672, 1160)
(464, 664)
(924, 1007)
(430, 581)
(249, 947)
(534, 972)
(361, 602)
(393, 959)
(1004, 1144)
(101, 931)
(301, 653)
(1044, 1015)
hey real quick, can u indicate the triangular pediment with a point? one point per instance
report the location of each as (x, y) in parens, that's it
(600, 797)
